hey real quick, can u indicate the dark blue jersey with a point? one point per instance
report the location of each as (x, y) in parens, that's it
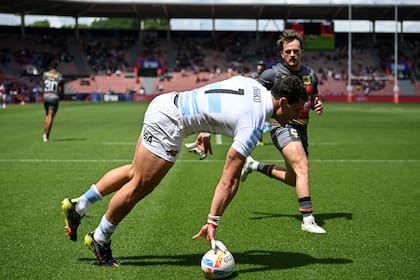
(308, 76)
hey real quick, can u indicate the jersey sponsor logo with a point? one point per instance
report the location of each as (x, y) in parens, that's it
(147, 136)
(306, 79)
(52, 75)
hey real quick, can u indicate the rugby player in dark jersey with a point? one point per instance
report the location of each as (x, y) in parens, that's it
(52, 81)
(292, 139)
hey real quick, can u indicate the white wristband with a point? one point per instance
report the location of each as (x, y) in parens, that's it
(214, 220)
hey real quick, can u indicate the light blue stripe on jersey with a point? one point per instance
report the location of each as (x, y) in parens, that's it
(188, 103)
(255, 137)
(215, 99)
(183, 104)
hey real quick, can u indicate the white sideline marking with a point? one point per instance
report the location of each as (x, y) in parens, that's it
(209, 160)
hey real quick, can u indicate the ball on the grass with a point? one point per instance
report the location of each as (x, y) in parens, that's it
(217, 264)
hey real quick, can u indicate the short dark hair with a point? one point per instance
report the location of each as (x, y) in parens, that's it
(289, 35)
(261, 62)
(290, 87)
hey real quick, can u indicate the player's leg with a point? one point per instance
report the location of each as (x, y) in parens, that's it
(149, 170)
(111, 182)
(48, 122)
(296, 157)
(296, 172)
(154, 156)
(281, 137)
(3, 100)
(51, 108)
(74, 209)
(115, 178)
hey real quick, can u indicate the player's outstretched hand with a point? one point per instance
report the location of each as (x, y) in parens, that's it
(201, 146)
(208, 232)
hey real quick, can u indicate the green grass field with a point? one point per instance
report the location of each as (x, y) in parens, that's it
(365, 182)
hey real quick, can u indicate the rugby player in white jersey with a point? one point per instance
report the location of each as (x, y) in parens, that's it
(237, 107)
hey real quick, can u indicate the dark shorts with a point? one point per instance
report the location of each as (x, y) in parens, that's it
(51, 102)
(281, 135)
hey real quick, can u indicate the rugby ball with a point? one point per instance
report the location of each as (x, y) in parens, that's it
(217, 264)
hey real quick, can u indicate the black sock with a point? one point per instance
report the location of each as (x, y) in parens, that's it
(265, 168)
(305, 205)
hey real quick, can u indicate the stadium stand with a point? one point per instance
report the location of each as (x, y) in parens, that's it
(104, 83)
(104, 62)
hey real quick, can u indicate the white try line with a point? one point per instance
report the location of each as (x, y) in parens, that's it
(22, 160)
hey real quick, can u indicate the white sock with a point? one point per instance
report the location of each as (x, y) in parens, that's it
(104, 231)
(254, 165)
(87, 199)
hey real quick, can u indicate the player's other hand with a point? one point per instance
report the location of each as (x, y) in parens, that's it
(201, 146)
(318, 106)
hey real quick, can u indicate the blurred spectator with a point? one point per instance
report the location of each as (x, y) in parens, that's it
(259, 69)
(3, 97)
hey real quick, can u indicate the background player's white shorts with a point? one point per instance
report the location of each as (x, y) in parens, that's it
(161, 130)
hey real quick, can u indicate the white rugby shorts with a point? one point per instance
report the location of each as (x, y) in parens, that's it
(161, 132)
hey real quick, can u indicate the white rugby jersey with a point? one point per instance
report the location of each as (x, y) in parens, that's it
(237, 107)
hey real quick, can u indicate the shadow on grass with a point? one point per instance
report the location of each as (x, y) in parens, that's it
(320, 217)
(262, 260)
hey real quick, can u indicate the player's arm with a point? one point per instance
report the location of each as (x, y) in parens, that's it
(60, 89)
(229, 182)
(316, 103)
(223, 194)
(318, 107)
